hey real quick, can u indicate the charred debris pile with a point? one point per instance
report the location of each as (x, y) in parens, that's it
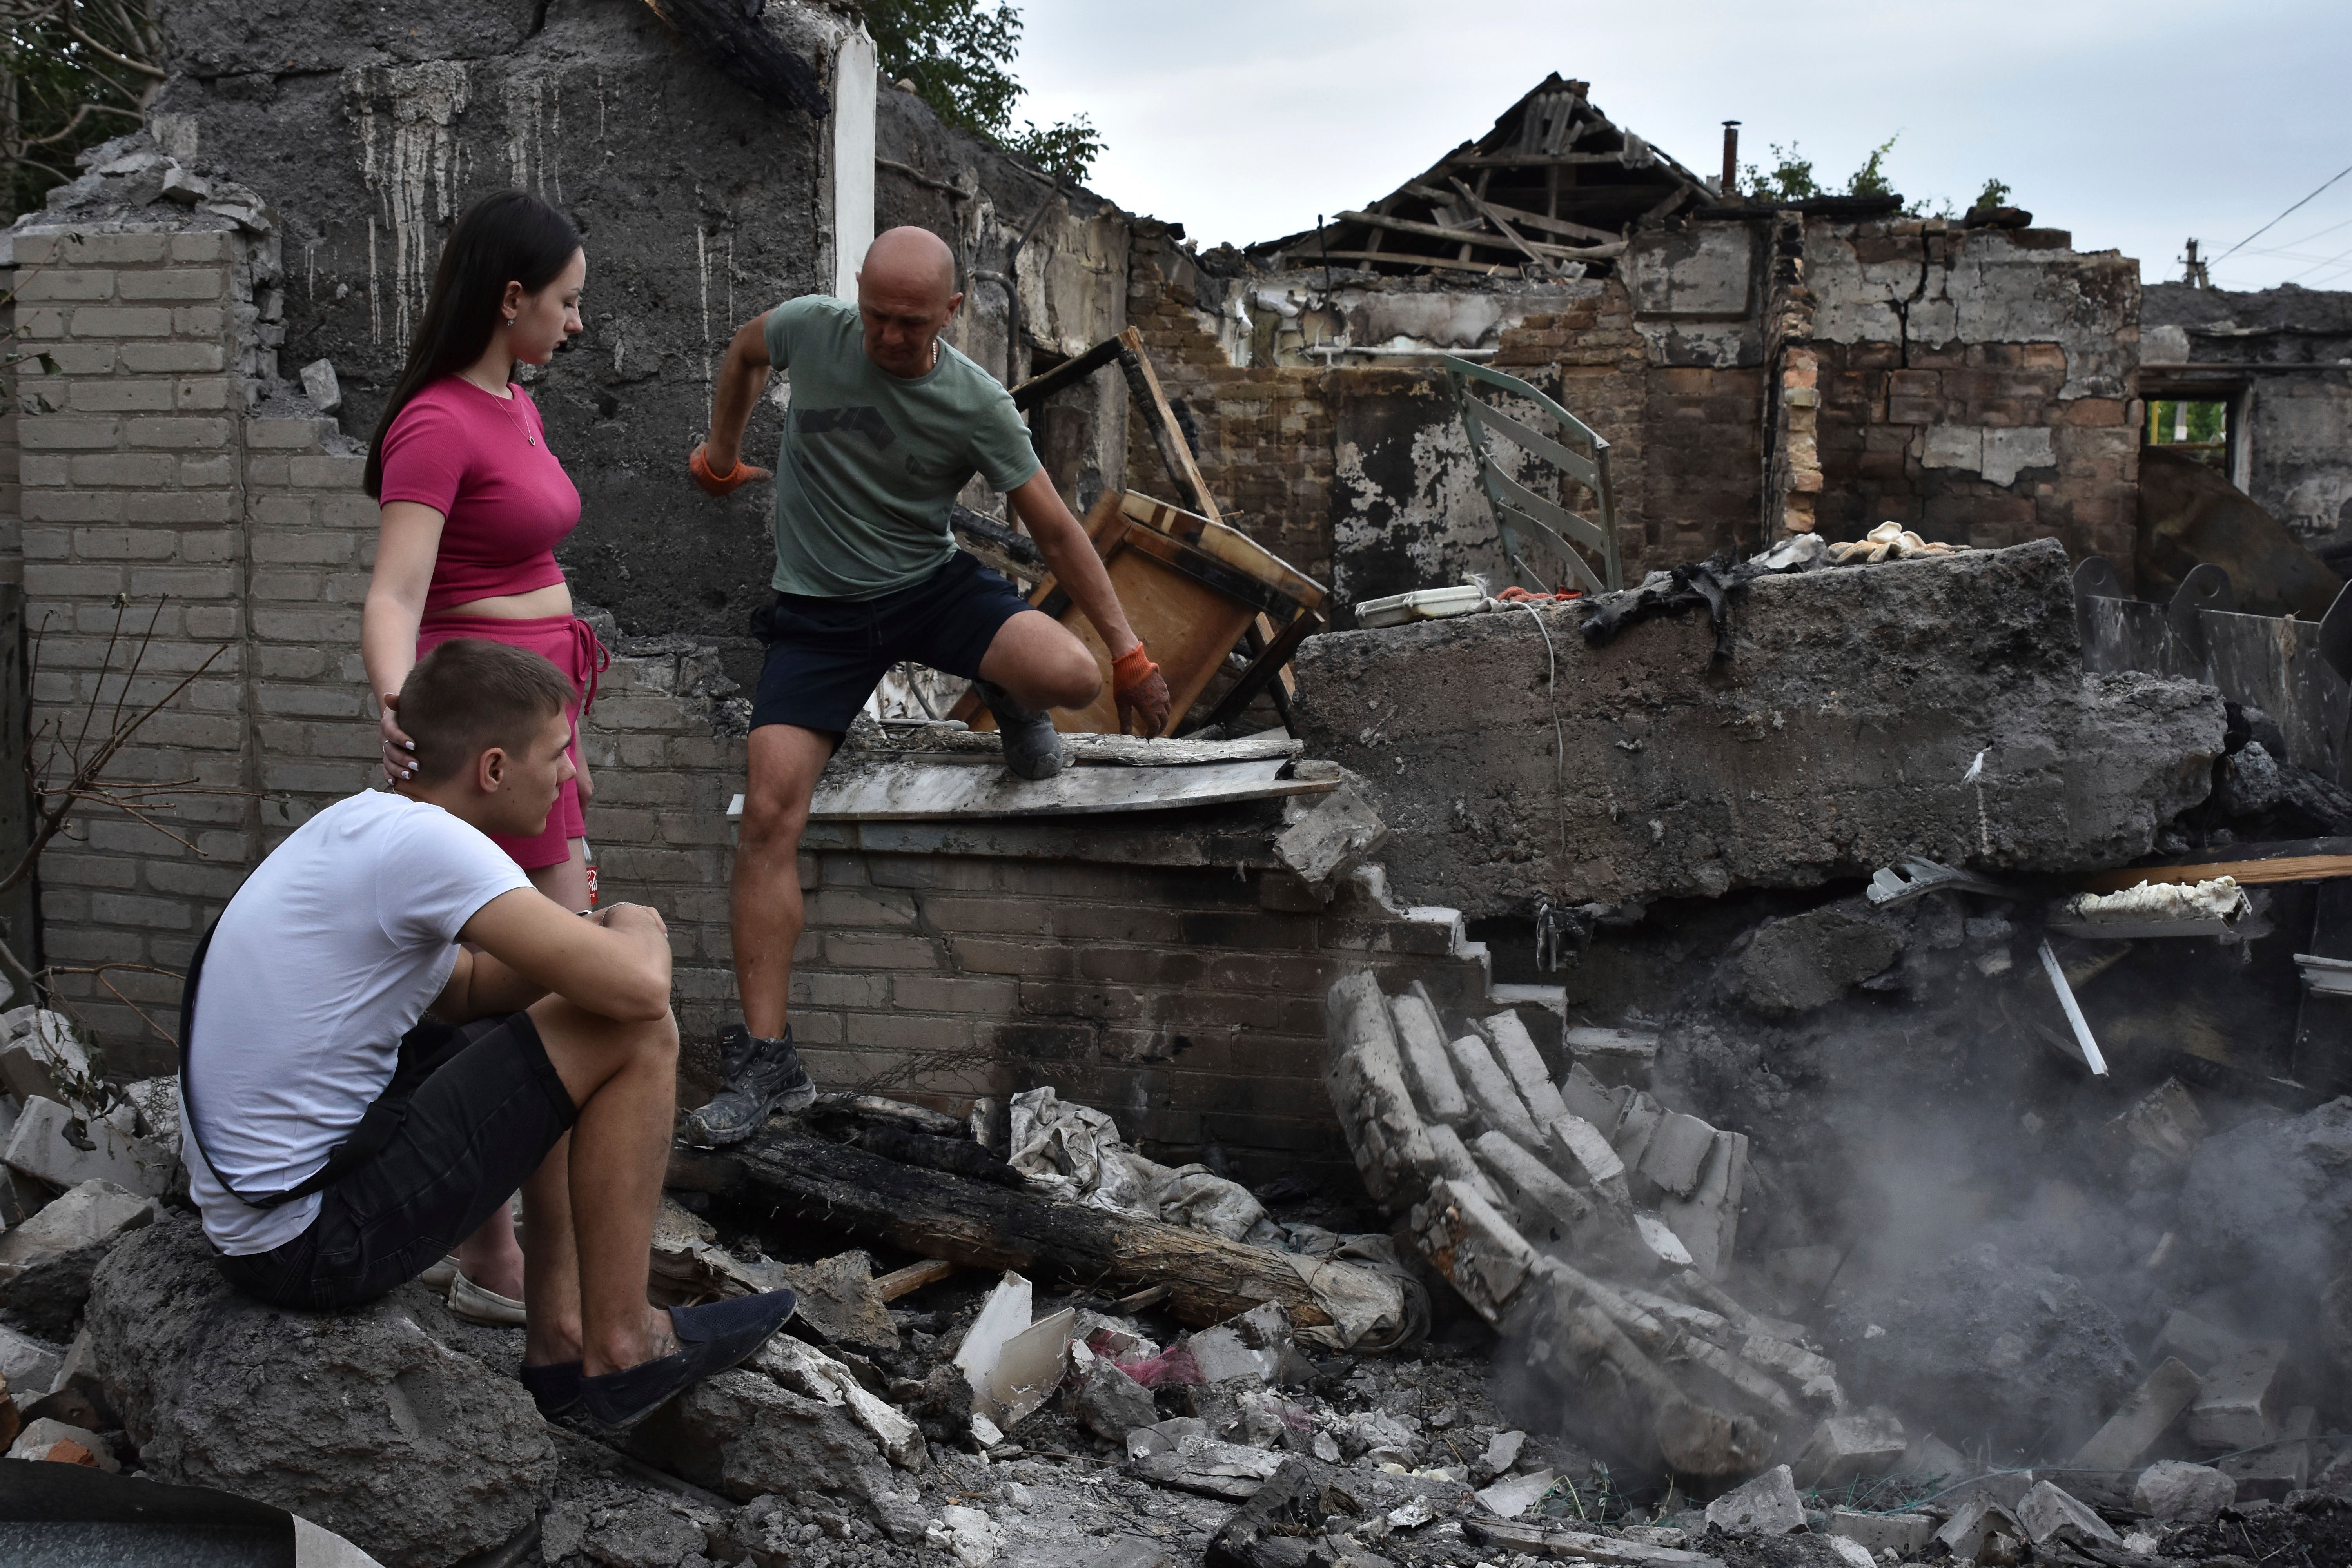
(1901, 1126)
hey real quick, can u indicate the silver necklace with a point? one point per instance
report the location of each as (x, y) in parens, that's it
(507, 405)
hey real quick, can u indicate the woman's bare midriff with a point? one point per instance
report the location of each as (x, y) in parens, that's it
(555, 599)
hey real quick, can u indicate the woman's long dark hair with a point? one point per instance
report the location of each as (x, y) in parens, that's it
(510, 238)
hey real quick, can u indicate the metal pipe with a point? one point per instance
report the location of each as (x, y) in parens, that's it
(1730, 160)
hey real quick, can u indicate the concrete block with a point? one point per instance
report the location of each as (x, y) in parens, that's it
(1847, 1447)
(1678, 1152)
(44, 1145)
(39, 1056)
(1111, 1404)
(1929, 1455)
(1585, 1095)
(1615, 1056)
(2048, 1514)
(1709, 1220)
(2164, 1122)
(2238, 1408)
(1490, 1094)
(1515, 1049)
(1548, 1208)
(2282, 1467)
(28, 1365)
(1454, 1159)
(1976, 1522)
(1637, 1116)
(2181, 1493)
(2198, 1343)
(1906, 1534)
(1427, 1066)
(319, 383)
(1329, 841)
(2146, 1416)
(1768, 1505)
(1576, 1147)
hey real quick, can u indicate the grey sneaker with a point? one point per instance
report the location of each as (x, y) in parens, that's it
(1032, 749)
(763, 1077)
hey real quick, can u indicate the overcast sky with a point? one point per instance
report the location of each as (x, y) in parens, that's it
(2135, 125)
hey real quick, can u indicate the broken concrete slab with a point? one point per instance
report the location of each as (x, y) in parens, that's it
(2146, 1416)
(2239, 1404)
(157, 1102)
(837, 1299)
(1676, 1152)
(52, 1144)
(1547, 1209)
(1709, 1220)
(1578, 1147)
(41, 1058)
(47, 1262)
(27, 1364)
(1845, 1448)
(1427, 1063)
(2281, 1467)
(1768, 1505)
(801, 1367)
(1454, 1159)
(1515, 1049)
(1613, 1056)
(362, 1420)
(1975, 1521)
(1514, 1495)
(1493, 1099)
(1586, 1095)
(1929, 1455)
(1962, 650)
(1905, 1534)
(2194, 1340)
(2051, 1514)
(2181, 1493)
(1486, 1259)
(1364, 1071)
(741, 1435)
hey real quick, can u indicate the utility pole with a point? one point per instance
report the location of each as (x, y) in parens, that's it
(2195, 276)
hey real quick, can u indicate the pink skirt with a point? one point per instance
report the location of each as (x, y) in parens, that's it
(570, 645)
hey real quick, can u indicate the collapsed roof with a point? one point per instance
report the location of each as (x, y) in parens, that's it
(1552, 190)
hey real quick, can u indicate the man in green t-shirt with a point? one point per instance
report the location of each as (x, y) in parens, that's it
(887, 424)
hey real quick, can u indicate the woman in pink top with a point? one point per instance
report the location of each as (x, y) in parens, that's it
(474, 505)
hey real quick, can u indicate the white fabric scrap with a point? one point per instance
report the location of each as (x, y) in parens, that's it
(2215, 900)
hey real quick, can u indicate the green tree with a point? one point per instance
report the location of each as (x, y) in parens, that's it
(1994, 195)
(72, 73)
(1870, 180)
(959, 54)
(1791, 179)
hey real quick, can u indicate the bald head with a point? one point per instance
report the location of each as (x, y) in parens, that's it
(909, 260)
(906, 295)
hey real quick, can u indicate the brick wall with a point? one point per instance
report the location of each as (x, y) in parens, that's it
(1167, 972)
(1265, 434)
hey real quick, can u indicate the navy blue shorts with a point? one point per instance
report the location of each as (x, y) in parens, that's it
(827, 655)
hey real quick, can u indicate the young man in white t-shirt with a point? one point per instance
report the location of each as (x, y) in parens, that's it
(339, 1140)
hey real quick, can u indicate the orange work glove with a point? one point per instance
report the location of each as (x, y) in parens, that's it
(734, 479)
(1140, 694)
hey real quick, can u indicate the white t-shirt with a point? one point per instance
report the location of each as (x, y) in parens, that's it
(329, 952)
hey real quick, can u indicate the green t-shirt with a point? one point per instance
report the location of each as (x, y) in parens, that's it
(871, 461)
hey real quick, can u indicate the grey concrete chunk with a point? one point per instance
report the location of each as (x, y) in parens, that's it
(1492, 1098)
(1847, 1447)
(1808, 961)
(2194, 1340)
(45, 1264)
(1709, 1220)
(1768, 1505)
(2147, 1415)
(49, 1141)
(1906, 1534)
(1517, 1051)
(1427, 1063)
(1586, 1095)
(2180, 1493)
(1678, 1152)
(27, 1364)
(157, 1102)
(1547, 1207)
(2237, 1407)
(2051, 1514)
(321, 386)
(1974, 1522)
(1111, 1404)
(40, 1056)
(1615, 1056)
(1454, 1159)
(1577, 1146)
(2283, 1467)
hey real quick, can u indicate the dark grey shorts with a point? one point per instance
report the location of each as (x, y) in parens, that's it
(482, 1119)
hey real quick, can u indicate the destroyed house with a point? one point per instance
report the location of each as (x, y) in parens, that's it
(1796, 1042)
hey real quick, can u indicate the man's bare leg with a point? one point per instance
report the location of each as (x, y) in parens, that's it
(624, 1079)
(489, 1257)
(1041, 663)
(765, 913)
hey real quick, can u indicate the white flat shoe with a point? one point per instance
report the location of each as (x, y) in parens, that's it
(478, 1305)
(437, 1277)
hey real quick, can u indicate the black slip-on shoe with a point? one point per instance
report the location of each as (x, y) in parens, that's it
(763, 1077)
(555, 1388)
(1032, 747)
(710, 1339)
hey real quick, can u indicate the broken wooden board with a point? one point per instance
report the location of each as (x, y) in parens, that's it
(937, 743)
(2316, 865)
(932, 1213)
(920, 791)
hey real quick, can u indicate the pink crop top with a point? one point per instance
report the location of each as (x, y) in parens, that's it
(483, 464)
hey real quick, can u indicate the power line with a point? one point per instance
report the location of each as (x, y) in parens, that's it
(2274, 222)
